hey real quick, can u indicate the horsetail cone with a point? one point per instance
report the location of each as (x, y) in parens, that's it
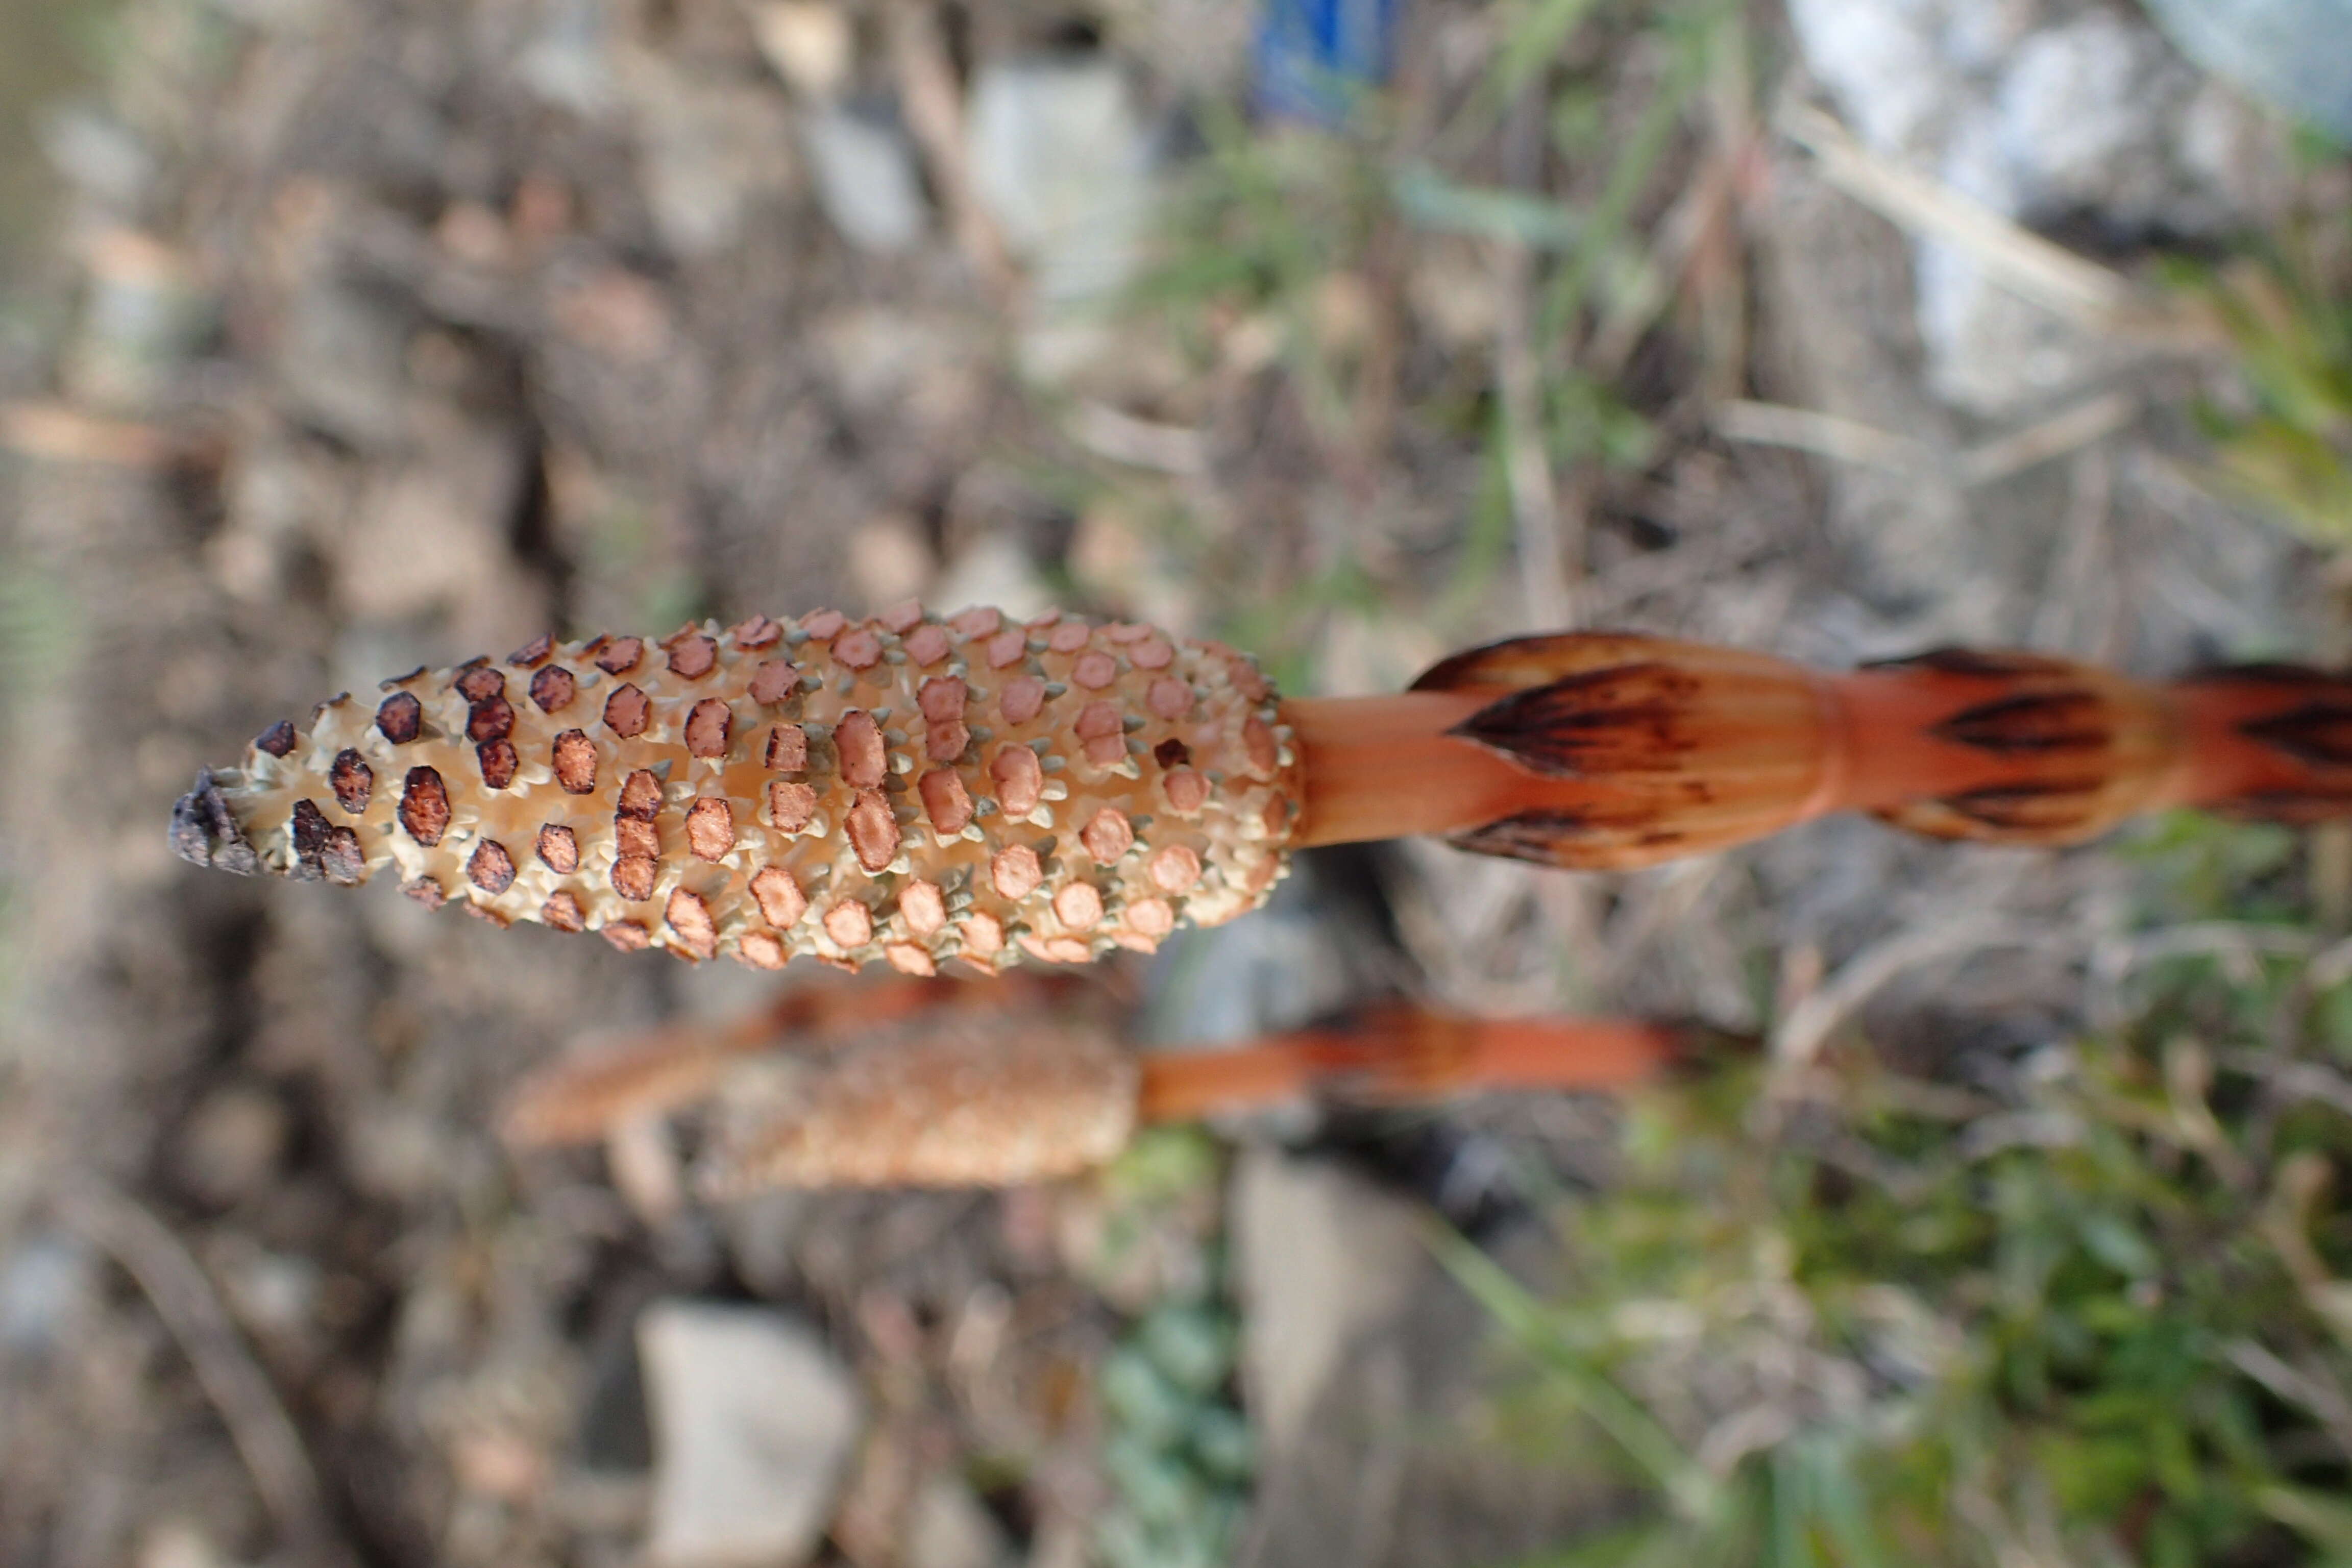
(901, 789)
(910, 789)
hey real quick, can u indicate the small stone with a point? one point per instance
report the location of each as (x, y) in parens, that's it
(621, 656)
(279, 738)
(692, 657)
(688, 918)
(424, 805)
(400, 718)
(627, 712)
(790, 806)
(553, 688)
(563, 911)
(490, 868)
(353, 781)
(559, 848)
(755, 1425)
(779, 896)
(710, 828)
(709, 728)
(574, 756)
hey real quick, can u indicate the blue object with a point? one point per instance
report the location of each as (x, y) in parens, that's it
(1317, 59)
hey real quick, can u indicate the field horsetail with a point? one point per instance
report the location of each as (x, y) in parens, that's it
(911, 789)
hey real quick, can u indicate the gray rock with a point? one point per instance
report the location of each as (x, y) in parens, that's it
(2293, 53)
(1321, 1257)
(1059, 161)
(709, 150)
(754, 1422)
(866, 177)
(2040, 111)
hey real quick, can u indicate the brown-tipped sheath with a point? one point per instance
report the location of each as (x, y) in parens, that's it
(1607, 751)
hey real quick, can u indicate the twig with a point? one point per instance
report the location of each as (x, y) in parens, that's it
(2020, 260)
(1824, 435)
(2314, 1390)
(2067, 431)
(1800, 1034)
(933, 103)
(1546, 536)
(264, 1434)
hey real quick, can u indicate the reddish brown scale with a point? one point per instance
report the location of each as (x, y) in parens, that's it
(554, 689)
(499, 762)
(1020, 779)
(641, 794)
(824, 626)
(1107, 836)
(533, 653)
(780, 898)
(787, 750)
(849, 923)
(563, 911)
(759, 632)
(709, 729)
(559, 848)
(689, 919)
(946, 802)
(790, 804)
(859, 649)
(400, 718)
(428, 891)
(1016, 871)
(478, 682)
(1079, 906)
(424, 805)
(857, 743)
(620, 654)
(573, 756)
(710, 828)
(636, 837)
(491, 719)
(629, 936)
(928, 644)
(761, 950)
(490, 868)
(1023, 699)
(902, 617)
(692, 656)
(627, 712)
(873, 831)
(1094, 670)
(1176, 869)
(279, 738)
(774, 683)
(925, 907)
(633, 878)
(353, 781)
